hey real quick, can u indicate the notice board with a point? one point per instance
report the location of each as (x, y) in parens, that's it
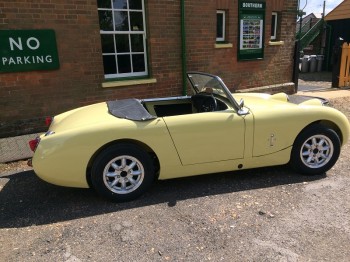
(251, 30)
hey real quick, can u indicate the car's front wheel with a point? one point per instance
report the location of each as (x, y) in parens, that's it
(315, 150)
(122, 172)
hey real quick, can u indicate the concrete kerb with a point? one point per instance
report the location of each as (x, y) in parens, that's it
(15, 148)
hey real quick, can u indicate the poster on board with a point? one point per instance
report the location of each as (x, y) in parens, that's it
(251, 30)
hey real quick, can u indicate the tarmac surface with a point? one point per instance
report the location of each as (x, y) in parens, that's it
(310, 84)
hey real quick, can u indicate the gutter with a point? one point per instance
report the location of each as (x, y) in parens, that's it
(183, 44)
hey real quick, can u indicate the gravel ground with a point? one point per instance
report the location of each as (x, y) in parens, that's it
(269, 214)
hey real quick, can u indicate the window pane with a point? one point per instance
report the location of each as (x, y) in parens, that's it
(107, 44)
(122, 43)
(124, 65)
(106, 20)
(273, 26)
(219, 25)
(119, 4)
(109, 64)
(123, 35)
(135, 4)
(138, 62)
(137, 43)
(136, 21)
(104, 3)
(121, 21)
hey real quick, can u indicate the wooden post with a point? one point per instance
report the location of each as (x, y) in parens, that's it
(344, 78)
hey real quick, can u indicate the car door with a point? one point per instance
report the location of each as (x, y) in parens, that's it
(207, 137)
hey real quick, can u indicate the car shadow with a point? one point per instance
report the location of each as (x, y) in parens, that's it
(25, 200)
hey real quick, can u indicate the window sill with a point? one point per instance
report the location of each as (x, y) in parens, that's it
(223, 45)
(129, 82)
(276, 42)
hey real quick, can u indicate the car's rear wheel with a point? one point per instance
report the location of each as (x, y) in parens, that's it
(315, 150)
(122, 172)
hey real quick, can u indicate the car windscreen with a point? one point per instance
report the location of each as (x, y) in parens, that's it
(203, 83)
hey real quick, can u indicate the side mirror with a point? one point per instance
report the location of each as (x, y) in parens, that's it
(241, 103)
(242, 111)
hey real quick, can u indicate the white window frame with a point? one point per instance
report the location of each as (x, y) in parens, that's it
(223, 12)
(129, 33)
(274, 30)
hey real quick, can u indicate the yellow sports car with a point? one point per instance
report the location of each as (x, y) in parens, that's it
(120, 147)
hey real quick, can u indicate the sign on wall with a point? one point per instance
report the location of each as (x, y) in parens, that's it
(28, 50)
(251, 30)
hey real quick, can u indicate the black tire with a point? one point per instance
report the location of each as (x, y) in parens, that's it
(315, 150)
(122, 172)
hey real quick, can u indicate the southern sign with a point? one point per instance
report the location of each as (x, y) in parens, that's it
(28, 50)
(251, 30)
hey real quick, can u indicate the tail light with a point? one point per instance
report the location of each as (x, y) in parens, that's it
(33, 144)
(48, 120)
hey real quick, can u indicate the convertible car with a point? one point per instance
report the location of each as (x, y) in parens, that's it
(120, 147)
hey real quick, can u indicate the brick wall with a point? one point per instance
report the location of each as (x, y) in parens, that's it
(275, 68)
(27, 97)
(164, 28)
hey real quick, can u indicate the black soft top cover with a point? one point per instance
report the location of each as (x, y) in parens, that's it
(129, 109)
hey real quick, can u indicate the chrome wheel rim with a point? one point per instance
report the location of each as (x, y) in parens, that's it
(123, 174)
(316, 151)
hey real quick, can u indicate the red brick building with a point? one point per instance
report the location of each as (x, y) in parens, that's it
(133, 48)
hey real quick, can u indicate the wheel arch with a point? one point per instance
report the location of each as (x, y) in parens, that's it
(329, 124)
(325, 123)
(140, 144)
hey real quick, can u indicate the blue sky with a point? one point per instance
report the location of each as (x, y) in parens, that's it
(316, 6)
